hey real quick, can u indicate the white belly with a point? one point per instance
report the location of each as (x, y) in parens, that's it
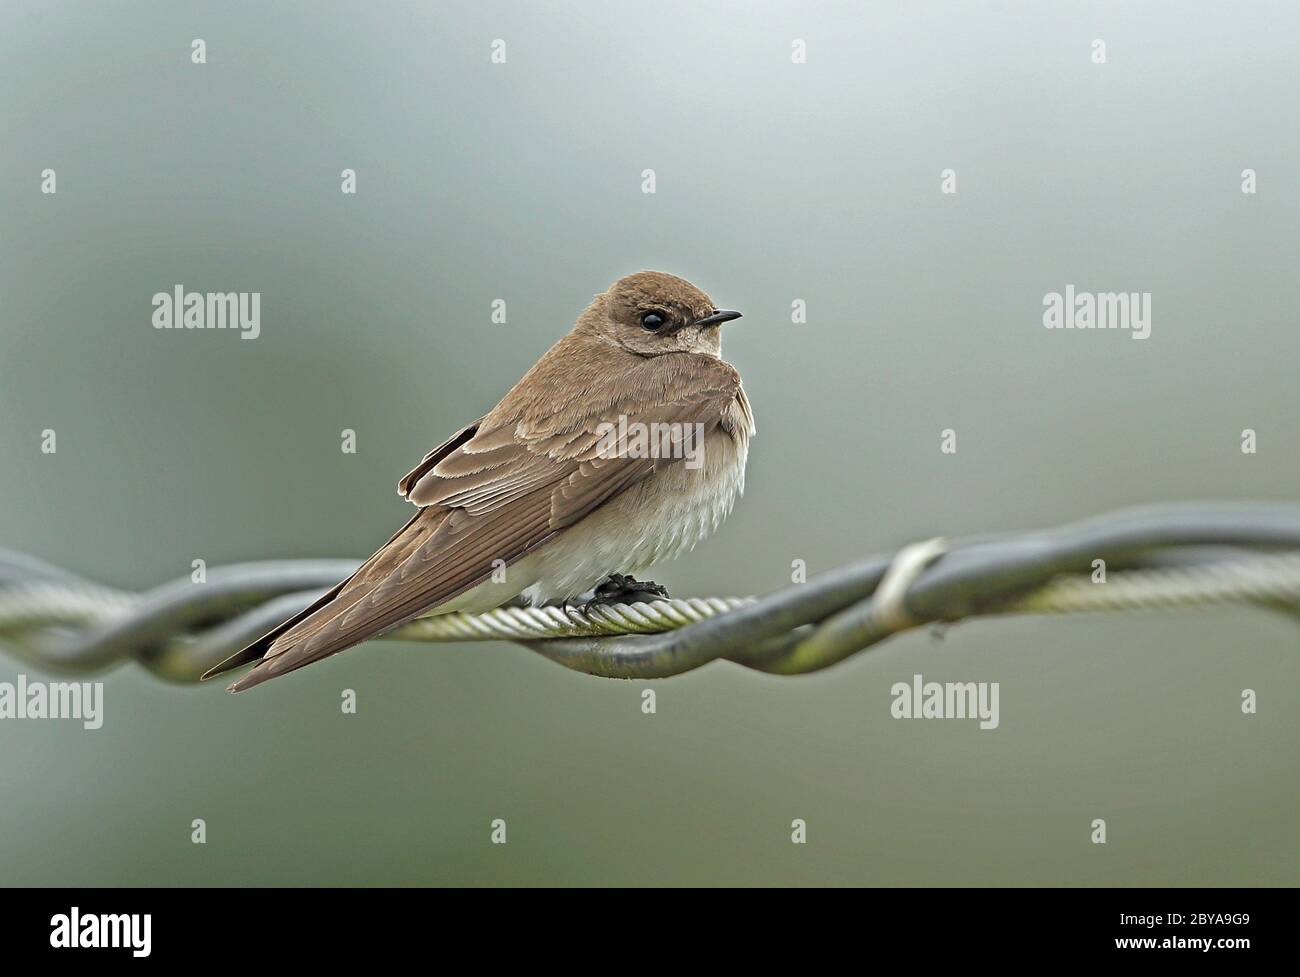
(658, 519)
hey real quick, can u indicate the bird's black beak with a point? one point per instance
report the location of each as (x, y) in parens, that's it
(718, 318)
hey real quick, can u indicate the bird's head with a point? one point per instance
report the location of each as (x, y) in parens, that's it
(651, 313)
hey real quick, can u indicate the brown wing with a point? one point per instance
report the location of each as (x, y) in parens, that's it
(497, 490)
(369, 572)
(435, 456)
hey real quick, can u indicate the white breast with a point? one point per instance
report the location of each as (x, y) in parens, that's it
(655, 520)
(658, 519)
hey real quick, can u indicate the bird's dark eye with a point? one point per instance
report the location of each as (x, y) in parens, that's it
(653, 320)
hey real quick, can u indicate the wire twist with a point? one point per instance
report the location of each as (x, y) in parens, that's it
(1161, 556)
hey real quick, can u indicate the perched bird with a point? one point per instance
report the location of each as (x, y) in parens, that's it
(625, 444)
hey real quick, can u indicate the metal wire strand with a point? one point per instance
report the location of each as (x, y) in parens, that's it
(1162, 556)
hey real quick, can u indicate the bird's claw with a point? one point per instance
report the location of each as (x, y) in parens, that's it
(622, 588)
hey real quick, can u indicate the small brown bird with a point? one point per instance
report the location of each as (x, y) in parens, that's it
(625, 444)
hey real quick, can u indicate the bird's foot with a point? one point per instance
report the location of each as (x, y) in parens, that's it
(622, 588)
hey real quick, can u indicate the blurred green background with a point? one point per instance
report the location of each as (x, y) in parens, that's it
(776, 181)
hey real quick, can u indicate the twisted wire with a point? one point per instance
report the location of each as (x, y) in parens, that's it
(532, 623)
(1260, 580)
(1160, 556)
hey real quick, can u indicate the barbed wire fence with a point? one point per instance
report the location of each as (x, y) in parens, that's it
(1177, 555)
